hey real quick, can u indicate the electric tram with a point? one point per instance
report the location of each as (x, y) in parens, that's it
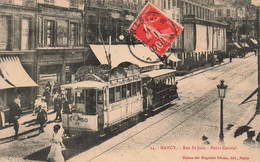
(102, 100)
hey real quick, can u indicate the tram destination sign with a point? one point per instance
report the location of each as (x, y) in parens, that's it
(155, 29)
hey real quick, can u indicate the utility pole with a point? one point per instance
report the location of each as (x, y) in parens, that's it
(258, 58)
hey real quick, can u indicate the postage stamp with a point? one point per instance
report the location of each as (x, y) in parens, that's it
(155, 29)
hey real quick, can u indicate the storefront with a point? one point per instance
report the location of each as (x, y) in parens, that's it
(14, 80)
(58, 66)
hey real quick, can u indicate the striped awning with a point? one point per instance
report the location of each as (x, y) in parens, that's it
(13, 72)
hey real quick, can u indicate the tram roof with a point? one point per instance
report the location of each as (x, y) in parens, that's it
(157, 73)
(89, 84)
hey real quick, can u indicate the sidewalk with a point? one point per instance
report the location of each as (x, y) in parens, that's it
(27, 125)
(225, 61)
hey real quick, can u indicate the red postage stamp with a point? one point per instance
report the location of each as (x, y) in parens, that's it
(155, 29)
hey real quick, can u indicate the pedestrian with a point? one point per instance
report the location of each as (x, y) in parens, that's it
(37, 103)
(2, 115)
(42, 118)
(55, 88)
(47, 95)
(58, 107)
(63, 94)
(55, 154)
(249, 141)
(48, 85)
(65, 106)
(15, 113)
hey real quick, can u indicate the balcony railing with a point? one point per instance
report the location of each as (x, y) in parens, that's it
(30, 3)
(114, 4)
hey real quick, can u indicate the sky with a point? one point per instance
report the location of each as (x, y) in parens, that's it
(256, 2)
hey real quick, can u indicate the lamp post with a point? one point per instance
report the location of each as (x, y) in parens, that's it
(221, 93)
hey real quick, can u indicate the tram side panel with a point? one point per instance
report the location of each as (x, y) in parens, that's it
(126, 106)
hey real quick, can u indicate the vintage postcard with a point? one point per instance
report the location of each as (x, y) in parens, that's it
(129, 80)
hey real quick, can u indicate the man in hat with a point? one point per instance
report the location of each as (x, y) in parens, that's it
(42, 118)
(58, 107)
(47, 95)
(15, 112)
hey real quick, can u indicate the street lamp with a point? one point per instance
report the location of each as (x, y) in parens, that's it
(221, 94)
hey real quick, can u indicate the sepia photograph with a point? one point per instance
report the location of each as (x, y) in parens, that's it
(129, 80)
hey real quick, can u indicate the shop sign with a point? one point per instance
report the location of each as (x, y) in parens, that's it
(50, 57)
(115, 15)
(129, 17)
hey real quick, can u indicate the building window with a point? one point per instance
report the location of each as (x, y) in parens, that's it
(74, 3)
(49, 33)
(169, 4)
(5, 32)
(40, 31)
(92, 30)
(62, 33)
(73, 34)
(25, 34)
(219, 12)
(164, 4)
(173, 3)
(228, 12)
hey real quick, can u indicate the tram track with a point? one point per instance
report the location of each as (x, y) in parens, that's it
(195, 105)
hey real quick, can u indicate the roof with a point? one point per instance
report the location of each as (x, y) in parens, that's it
(121, 53)
(89, 84)
(173, 57)
(157, 73)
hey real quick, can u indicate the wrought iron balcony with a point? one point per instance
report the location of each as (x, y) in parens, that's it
(30, 3)
(114, 4)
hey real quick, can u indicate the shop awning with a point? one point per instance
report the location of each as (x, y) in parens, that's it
(254, 41)
(121, 53)
(14, 72)
(237, 45)
(4, 84)
(244, 44)
(89, 84)
(173, 57)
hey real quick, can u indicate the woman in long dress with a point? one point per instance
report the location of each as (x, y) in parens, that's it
(55, 154)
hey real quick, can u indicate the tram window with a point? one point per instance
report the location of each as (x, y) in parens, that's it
(128, 90)
(123, 92)
(111, 95)
(79, 97)
(90, 101)
(138, 87)
(100, 97)
(118, 94)
(134, 89)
